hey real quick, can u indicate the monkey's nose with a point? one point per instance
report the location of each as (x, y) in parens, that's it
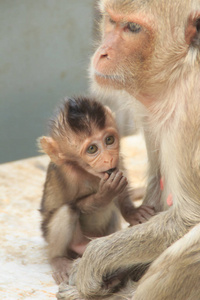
(110, 171)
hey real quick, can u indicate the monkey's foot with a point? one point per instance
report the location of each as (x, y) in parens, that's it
(68, 292)
(61, 267)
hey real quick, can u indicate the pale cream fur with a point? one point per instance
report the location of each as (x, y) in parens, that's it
(169, 89)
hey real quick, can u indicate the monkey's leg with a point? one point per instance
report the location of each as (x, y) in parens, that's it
(61, 228)
(176, 273)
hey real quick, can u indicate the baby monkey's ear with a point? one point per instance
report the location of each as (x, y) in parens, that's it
(50, 147)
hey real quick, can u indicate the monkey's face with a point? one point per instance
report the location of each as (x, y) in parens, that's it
(124, 55)
(100, 152)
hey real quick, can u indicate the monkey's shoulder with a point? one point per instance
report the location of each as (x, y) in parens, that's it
(65, 184)
(78, 179)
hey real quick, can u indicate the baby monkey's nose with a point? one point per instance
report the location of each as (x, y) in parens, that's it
(110, 171)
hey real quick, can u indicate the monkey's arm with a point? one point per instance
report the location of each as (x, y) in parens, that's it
(109, 188)
(134, 215)
(153, 192)
(108, 257)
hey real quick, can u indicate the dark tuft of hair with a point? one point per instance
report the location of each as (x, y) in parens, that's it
(83, 113)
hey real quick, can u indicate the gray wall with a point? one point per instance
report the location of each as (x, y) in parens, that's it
(45, 47)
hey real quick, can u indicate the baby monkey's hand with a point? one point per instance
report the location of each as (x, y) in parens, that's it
(111, 186)
(139, 215)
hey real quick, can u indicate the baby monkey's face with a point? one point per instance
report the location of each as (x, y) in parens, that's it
(100, 152)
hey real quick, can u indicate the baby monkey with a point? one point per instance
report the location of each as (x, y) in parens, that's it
(85, 192)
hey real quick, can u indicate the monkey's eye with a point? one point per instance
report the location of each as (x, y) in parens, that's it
(134, 27)
(92, 149)
(111, 21)
(110, 140)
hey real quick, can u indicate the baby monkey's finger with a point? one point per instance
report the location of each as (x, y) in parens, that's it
(122, 184)
(112, 175)
(149, 209)
(103, 180)
(116, 179)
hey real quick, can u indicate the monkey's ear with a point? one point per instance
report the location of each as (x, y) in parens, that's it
(192, 32)
(50, 147)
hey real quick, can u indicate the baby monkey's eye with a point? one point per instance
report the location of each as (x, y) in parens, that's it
(134, 27)
(92, 149)
(110, 140)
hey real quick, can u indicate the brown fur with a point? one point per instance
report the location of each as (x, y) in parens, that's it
(80, 200)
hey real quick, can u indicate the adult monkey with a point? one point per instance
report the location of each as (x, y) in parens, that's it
(151, 49)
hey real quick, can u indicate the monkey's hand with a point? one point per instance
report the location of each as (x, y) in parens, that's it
(138, 215)
(110, 187)
(61, 267)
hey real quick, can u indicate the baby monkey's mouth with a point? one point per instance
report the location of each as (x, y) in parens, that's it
(110, 171)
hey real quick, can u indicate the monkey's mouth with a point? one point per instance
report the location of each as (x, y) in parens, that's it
(110, 171)
(111, 77)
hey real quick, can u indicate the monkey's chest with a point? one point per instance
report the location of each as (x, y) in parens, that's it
(100, 222)
(89, 186)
